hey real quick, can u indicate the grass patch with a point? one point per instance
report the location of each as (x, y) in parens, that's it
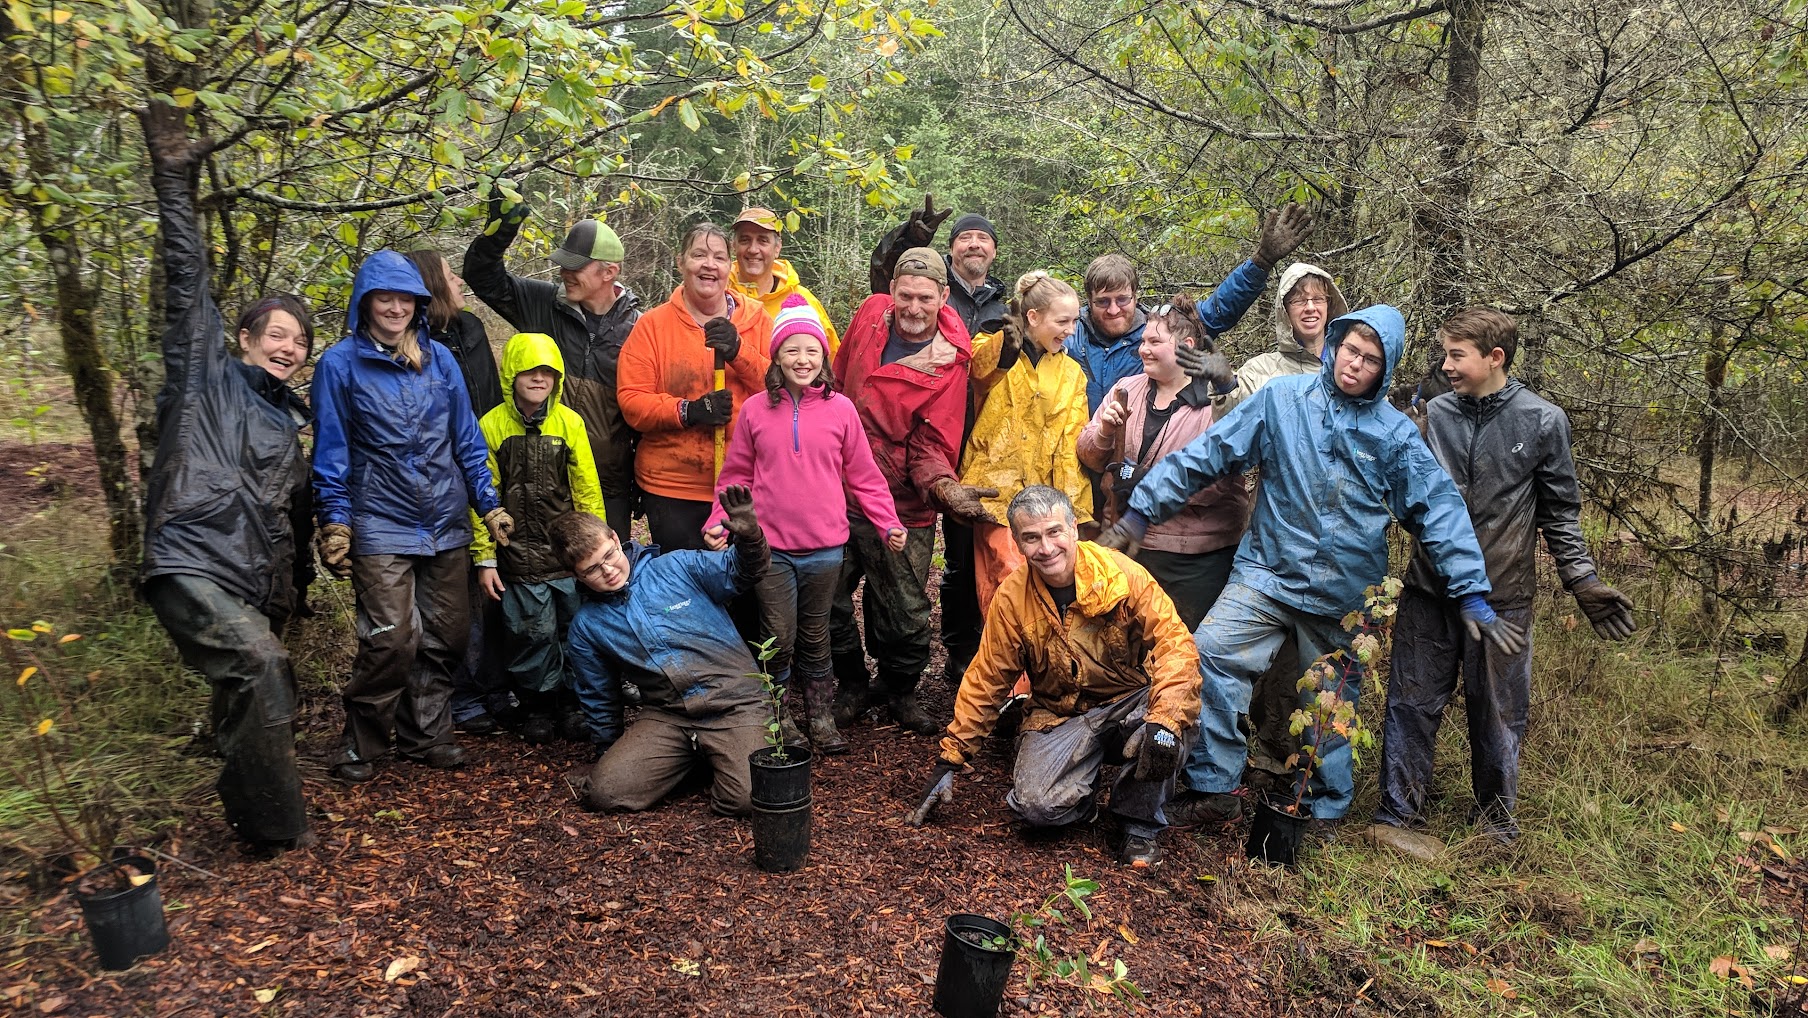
(1648, 781)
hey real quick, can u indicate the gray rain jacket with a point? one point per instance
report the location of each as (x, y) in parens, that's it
(1509, 455)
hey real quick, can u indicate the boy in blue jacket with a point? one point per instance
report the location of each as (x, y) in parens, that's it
(1338, 463)
(1508, 451)
(660, 620)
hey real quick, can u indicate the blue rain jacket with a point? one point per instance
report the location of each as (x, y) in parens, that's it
(398, 456)
(1335, 470)
(1109, 361)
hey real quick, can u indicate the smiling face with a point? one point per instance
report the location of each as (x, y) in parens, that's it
(533, 387)
(390, 314)
(1112, 311)
(605, 569)
(704, 266)
(1047, 542)
(1157, 352)
(1050, 326)
(755, 251)
(281, 348)
(1308, 311)
(916, 301)
(455, 285)
(1359, 364)
(800, 358)
(973, 253)
(594, 280)
(1471, 372)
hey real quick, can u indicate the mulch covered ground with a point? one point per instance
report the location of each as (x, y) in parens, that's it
(489, 891)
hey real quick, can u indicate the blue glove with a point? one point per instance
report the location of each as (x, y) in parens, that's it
(1126, 535)
(1480, 620)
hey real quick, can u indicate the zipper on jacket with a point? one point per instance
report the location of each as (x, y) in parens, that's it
(796, 405)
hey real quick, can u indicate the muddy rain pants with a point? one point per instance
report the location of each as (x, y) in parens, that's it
(414, 617)
(1057, 770)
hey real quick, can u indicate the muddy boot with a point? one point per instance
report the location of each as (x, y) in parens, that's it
(819, 696)
(788, 732)
(910, 716)
(855, 696)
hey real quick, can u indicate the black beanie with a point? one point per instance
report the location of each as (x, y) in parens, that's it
(973, 221)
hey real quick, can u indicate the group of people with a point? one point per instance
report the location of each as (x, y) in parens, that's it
(1085, 456)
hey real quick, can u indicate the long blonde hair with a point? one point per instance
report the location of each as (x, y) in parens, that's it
(1035, 291)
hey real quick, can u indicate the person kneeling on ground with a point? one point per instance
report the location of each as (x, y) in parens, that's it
(1113, 678)
(661, 621)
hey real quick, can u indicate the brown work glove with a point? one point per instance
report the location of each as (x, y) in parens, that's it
(737, 502)
(1283, 229)
(334, 543)
(920, 228)
(963, 501)
(1207, 363)
(500, 525)
(1609, 610)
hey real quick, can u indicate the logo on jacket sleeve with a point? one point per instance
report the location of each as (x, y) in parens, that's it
(680, 606)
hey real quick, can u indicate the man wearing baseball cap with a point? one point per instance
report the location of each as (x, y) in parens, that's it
(588, 314)
(761, 275)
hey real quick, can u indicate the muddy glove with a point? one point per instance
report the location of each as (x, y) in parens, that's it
(1155, 751)
(939, 793)
(920, 228)
(719, 335)
(500, 525)
(1126, 535)
(1609, 610)
(1207, 363)
(963, 501)
(737, 502)
(1010, 343)
(1282, 230)
(335, 545)
(502, 213)
(710, 410)
(1479, 620)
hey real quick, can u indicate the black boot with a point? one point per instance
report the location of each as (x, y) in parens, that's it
(855, 695)
(819, 695)
(902, 702)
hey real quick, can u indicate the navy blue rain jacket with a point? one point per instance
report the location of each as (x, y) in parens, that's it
(398, 456)
(1336, 470)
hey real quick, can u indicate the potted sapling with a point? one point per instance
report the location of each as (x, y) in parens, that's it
(1281, 820)
(116, 887)
(781, 784)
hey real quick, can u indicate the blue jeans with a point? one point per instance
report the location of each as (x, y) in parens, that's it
(795, 596)
(1430, 648)
(1237, 641)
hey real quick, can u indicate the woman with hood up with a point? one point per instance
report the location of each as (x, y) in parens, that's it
(398, 462)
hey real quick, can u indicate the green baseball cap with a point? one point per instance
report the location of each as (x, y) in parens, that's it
(589, 241)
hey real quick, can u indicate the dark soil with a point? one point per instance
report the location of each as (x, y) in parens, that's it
(34, 476)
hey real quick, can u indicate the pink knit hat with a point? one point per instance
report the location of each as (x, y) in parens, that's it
(797, 318)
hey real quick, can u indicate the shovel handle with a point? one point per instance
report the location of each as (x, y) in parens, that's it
(721, 429)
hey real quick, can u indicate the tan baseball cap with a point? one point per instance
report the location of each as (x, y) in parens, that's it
(765, 219)
(922, 261)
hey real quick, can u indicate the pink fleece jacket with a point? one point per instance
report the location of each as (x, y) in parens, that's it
(797, 456)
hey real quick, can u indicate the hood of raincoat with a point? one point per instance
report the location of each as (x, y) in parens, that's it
(1389, 324)
(1283, 326)
(388, 270)
(525, 352)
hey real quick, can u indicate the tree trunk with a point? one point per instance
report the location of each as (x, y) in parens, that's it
(1707, 449)
(1441, 220)
(1793, 691)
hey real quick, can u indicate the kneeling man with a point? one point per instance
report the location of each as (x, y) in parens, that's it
(658, 620)
(1114, 678)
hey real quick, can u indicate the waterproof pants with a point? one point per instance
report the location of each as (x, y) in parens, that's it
(1057, 770)
(961, 618)
(535, 617)
(414, 616)
(895, 606)
(1238, 640)
(1430, 648)
(655, 754)
(795, 599)
(1271, 706)
(619, 514)
(995, 556)
(1192, 581)
(235, 647)
(480, 686)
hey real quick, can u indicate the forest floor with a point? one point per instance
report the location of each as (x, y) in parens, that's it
(1660, 873)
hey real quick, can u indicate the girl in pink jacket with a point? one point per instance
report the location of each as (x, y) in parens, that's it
(798, 449)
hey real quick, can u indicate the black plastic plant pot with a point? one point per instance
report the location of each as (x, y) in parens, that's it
(125, 920)
(1275, 834)
(977, 954)
(781, 837)
(778, 784)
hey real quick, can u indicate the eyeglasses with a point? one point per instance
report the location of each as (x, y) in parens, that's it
(1309, 301)
(1370, 360)
(1114, 302)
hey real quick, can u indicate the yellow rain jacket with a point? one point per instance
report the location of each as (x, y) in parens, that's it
(1028, 430)
(542, 467)
(784, 284)
(1119, 635)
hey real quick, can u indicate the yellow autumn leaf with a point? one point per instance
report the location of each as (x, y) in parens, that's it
(1678, 828)
(266, 996)
(1124, 931)
(70, 637)
(44, 727)
(400, 967)
(41, 626)
(26, 675)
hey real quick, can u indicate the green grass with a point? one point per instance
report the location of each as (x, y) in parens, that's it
(1645, 772)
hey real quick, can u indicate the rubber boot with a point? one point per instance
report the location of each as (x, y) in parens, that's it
(855, 695)
(905, 710)
(819, 695)
(788, 732)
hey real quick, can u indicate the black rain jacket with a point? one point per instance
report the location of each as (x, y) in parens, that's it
(470, 346)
